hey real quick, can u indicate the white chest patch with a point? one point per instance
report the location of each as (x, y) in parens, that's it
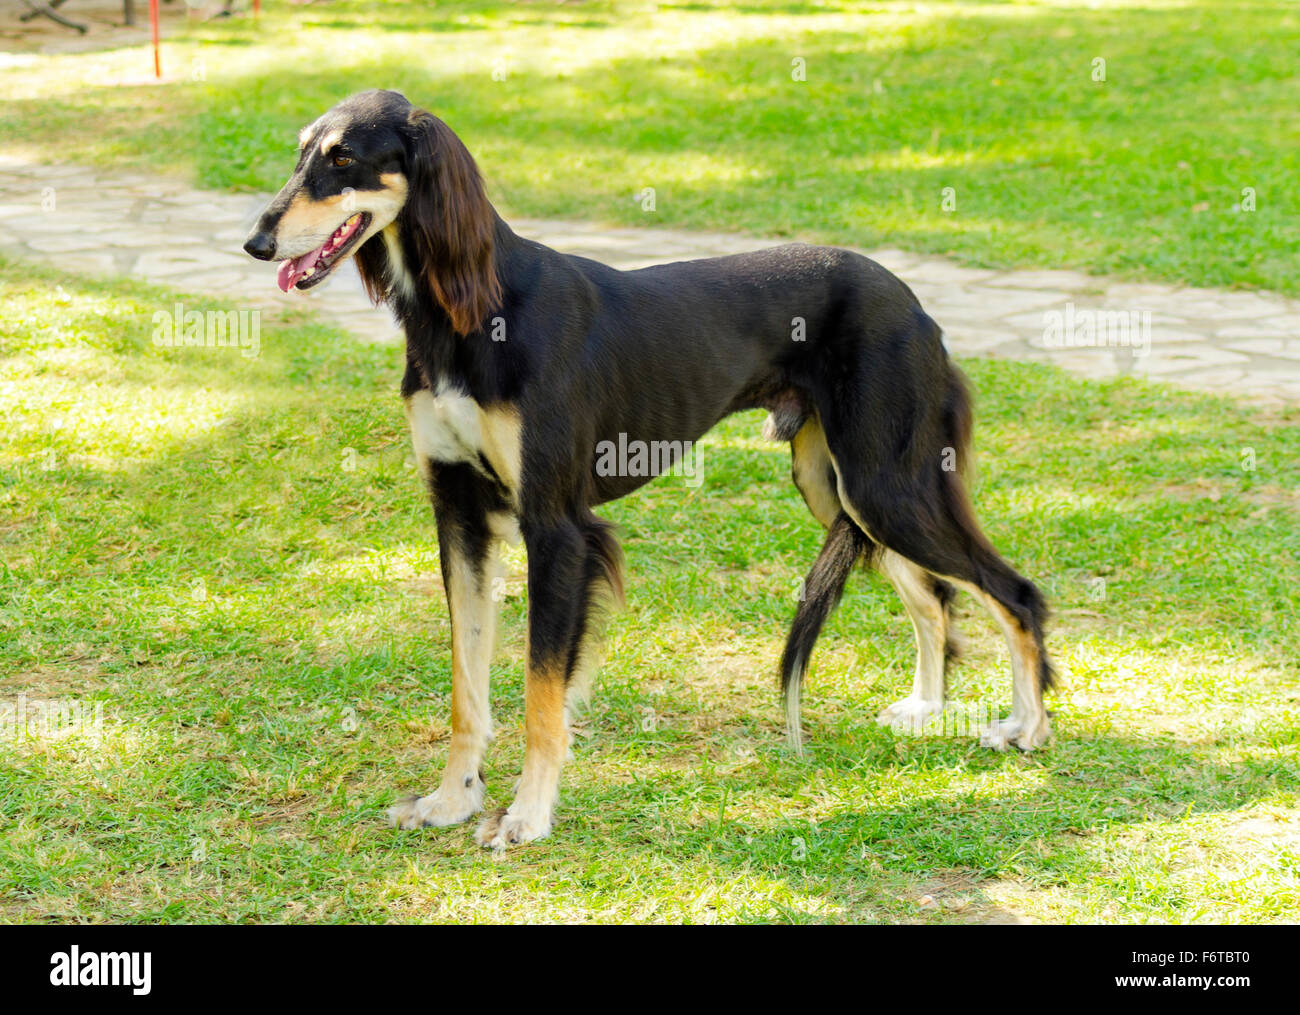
(446, 426)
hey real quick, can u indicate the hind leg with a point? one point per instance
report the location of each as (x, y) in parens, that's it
(934, 530)
(814, 472)
(1028, 726)
(923, 542)
(815, 476)
(920, 594)
(846, 544)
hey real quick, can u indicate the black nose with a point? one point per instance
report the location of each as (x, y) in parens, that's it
(261, 245)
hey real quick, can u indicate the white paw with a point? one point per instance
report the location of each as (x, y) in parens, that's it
(447, 805)
(1025, 734)
(504, 828)
(910, 714)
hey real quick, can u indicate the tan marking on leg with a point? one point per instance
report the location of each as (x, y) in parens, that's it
(529, 817)
(591, 652)
(474, 612)
(930, 623)
(811, 464)
(1028, 725)
(505, 527)
(473, 640)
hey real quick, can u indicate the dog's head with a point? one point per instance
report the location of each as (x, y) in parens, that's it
(373, 163)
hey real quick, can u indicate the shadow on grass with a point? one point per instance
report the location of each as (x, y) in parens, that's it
(891, 834)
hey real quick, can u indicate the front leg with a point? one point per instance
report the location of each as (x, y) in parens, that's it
(568, 563)
(470, 526)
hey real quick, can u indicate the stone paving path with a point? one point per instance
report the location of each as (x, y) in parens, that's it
(162, 231)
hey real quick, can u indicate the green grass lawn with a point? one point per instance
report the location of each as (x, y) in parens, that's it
(574, 108)
(232, 558)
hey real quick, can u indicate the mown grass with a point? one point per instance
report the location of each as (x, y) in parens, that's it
(232, 558)
(574, 109)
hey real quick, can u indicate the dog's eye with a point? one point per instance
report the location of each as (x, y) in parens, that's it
(340, 161)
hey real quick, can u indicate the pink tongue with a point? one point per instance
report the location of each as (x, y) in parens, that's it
(296, 267)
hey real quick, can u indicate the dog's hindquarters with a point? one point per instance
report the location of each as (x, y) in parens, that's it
(897, 457)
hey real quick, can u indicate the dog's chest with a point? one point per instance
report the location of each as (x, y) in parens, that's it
(446, 425)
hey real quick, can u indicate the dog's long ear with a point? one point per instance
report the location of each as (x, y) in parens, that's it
(448, 217)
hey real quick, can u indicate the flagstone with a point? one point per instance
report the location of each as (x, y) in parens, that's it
(1046, 279)
(1286, 348)
(163, 230)
(1186, 358)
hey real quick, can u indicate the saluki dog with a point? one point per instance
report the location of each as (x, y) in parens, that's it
(521, 362)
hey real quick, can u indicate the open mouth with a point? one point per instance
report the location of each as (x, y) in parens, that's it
(312, 267)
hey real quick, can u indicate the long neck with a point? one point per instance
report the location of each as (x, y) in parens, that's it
(434, 350)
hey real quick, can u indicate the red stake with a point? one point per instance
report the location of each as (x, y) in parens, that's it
(153, 23)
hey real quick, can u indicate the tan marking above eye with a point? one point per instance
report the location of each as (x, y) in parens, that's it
(330, 140)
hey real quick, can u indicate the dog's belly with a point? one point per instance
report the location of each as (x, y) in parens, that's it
(448, 428)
